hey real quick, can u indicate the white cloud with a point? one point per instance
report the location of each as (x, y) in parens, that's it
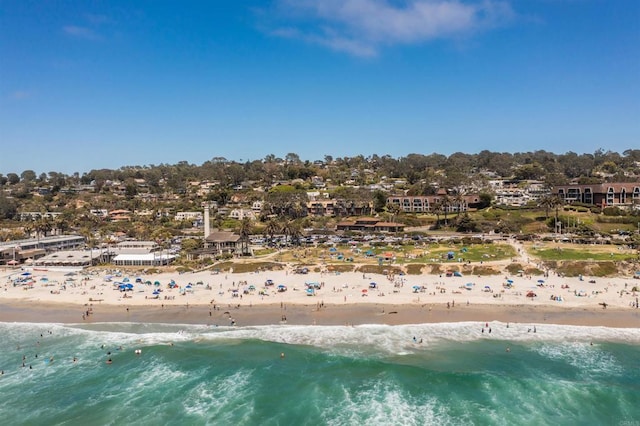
(361, 27)
(20, 95)
(81, 32)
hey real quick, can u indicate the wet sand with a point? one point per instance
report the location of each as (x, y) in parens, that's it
(313, 314)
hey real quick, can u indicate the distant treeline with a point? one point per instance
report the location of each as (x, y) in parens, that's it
(417, 169)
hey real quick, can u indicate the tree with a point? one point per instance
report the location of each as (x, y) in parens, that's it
(28, 176)
(436, 208)
(379, 200)
(8, 207)
(13, 178)
(465, 223)
(272, 228)
(445, 202)
(245, 232)
(549, 202)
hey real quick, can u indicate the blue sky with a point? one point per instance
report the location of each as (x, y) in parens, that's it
(104, 84)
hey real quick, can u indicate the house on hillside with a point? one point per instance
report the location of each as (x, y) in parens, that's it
(425, 203)
(615, 194)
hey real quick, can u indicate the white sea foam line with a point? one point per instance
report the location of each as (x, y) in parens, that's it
(399, 339)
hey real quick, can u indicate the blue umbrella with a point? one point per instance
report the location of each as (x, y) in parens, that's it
(156, 292)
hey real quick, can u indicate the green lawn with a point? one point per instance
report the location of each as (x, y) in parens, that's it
(580, 254)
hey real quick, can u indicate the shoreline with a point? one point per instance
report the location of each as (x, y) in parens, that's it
(310, 314)
(245, 299)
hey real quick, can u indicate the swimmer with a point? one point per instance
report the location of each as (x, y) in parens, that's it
(282, 355)
(109, 361)
(508, 349)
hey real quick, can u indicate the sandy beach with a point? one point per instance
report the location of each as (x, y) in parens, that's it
(337, 299)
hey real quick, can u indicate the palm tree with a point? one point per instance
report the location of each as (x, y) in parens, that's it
(245, 231)
(436, 208)
(548, 202)
(292, 231)
(458, 200)
(272, 228)
(445, 202)
(394, 210)
(294, 228)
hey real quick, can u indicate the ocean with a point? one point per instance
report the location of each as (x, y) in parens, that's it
(440, 374)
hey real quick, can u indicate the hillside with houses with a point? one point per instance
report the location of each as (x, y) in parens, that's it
(188, 212)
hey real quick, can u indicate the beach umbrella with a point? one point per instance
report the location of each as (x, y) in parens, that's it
(138, 280)
(69, 274)
(125, 279)
(129, 286)
(541, 281)
(156, 292)
(373, 285)
(333, 250)
(253, 287)
(457, 274)
(27, 274)
(416, 288)
(509, 281)
(156, 283)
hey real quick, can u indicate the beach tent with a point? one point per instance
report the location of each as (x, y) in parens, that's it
(156, 283)
(416, 288)
(457, 274)
(310, 291)
(373, 285)
(450, 255)
(333, 249)
(27, 274)
(282, 288)
(469, 286)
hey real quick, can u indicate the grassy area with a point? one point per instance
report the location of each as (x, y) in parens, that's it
(584, 254)
(574, 269)
(242, 267)
(402, 254)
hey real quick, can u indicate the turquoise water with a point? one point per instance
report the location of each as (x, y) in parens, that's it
(374, 375)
